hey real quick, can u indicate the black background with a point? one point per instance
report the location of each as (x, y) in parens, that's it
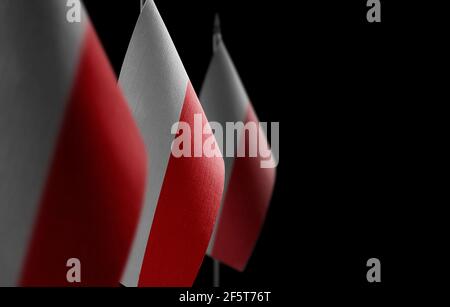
(347, 95)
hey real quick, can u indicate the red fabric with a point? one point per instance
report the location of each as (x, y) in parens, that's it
(244, 210)
(186, 212)
(95, 186)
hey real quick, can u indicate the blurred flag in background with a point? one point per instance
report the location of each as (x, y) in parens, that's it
(248, 186)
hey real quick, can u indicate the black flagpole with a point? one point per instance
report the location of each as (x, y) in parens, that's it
(217, 39)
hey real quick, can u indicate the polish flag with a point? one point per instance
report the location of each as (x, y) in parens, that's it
(183, 195)
(249, 181)
(72, 162)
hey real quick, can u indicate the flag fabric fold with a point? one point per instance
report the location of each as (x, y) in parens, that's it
(72, 161)
(248, 186)
(183, 194)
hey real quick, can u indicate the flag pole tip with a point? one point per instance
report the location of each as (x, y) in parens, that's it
(217, 33)
(216, 24)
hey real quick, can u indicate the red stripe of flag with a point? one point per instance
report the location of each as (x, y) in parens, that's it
(185, 215)
(245, 206)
